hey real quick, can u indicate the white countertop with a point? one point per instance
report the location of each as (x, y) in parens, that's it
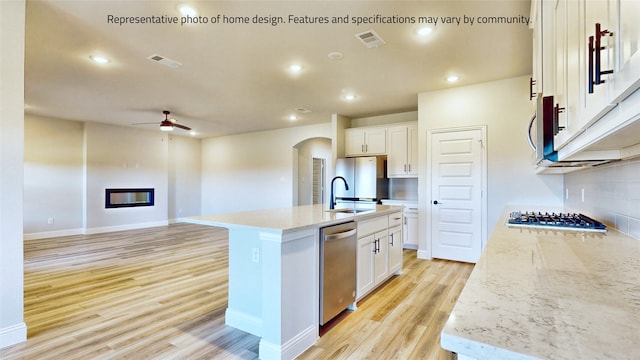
(288, 219)
(550, 295)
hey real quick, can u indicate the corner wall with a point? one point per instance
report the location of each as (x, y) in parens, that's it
(504, 107)
(12, 24)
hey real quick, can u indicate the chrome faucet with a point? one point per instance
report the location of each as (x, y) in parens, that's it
(333, 199)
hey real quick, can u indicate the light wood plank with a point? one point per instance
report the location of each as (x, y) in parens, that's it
(161, 293)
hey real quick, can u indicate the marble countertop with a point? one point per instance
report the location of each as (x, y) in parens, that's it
(290, 218)
(550, 295)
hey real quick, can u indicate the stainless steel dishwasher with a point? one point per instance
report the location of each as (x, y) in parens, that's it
(338, 245)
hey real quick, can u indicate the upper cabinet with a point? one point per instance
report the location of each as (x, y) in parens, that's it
(365, 141)
(587, 55)
(402, 151)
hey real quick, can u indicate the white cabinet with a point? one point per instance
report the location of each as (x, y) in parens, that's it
(394, 247)
(410, 228)
(587, 55)
(364, 279)
(402, 151)
(379, 251)
(365, 141)
(626, 78)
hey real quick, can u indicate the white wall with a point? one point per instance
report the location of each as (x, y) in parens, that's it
(252, 171)
(12, 22)
(69, 164)
(504, 107)
(184, 177)
(53, 175)
(307, 150)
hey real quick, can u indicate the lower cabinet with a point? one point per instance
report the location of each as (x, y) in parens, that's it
(379, 251)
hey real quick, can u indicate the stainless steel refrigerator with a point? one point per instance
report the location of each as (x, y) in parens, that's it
(367, 179)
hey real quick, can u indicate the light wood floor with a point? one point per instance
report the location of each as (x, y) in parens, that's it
(161, 293)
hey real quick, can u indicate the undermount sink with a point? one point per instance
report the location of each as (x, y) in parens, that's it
(349, 210)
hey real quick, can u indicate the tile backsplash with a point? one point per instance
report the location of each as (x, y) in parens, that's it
(609, 193)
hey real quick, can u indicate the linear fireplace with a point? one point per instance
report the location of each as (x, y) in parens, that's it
(116, 198)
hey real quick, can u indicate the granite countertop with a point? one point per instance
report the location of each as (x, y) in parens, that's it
(550, 295)
(290, 218)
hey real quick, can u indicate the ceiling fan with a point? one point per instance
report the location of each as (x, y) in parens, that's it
(167, 124)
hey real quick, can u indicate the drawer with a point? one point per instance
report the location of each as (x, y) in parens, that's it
(395, 219)
(370, 226)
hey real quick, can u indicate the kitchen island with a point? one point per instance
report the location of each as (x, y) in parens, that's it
(274, 272)
(547, 294)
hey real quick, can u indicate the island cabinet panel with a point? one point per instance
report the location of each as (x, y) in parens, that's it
(273, 290)
(378, 257)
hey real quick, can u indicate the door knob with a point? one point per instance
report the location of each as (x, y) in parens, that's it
(435, 202)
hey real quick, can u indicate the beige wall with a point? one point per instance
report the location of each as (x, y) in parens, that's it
(504, 107)
(68, 165)
(611, 194)
(252, 171)
(53, 176)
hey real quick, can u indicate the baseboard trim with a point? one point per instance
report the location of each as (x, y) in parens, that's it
(292, 348)
(422, 254)
(13, 334)
(96, 230)
(52, 234)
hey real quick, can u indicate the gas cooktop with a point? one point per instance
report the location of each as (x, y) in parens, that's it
(558, 221)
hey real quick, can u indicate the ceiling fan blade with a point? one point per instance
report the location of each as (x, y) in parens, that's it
(181, 126)
(146, 123)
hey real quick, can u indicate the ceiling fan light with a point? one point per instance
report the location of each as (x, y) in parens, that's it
(166, 125)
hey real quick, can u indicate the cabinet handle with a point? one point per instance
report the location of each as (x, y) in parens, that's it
(409, 167)
(366, 148)
(595, 49)
(362, 147)
(531, 93)
(599, 72)
(590, 66)
(405, 167)
(557, 110)
(391, 240)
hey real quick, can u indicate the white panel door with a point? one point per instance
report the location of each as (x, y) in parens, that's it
(456, 194)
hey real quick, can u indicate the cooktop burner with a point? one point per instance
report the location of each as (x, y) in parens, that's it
(560, 221)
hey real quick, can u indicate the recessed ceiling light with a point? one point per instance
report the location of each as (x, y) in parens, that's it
(295, 68)
(335, 55)
(453, 78)
(193, 133)
(424, 31)
(349, 97)
(293, 117)
(187, 10)
(99, 59)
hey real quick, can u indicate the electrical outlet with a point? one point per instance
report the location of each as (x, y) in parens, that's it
(255, 255)
(566, 194)
(582, 194)
(50, 221)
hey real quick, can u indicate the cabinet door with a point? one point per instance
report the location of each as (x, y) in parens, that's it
(375, 141)
(626, 78)
(410, 232)
(574, 73)
(381, 258)
(395, 249)
(397, 152)
(412, 150)
(353, 142)
(597, 103)
(365, 256)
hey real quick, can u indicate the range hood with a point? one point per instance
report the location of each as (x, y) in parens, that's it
(546, 120)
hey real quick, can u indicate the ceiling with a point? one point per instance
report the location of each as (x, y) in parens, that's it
(234, 78)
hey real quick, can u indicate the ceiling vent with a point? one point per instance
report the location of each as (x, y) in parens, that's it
(303, 110)
(165, 61)
(370, 39)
